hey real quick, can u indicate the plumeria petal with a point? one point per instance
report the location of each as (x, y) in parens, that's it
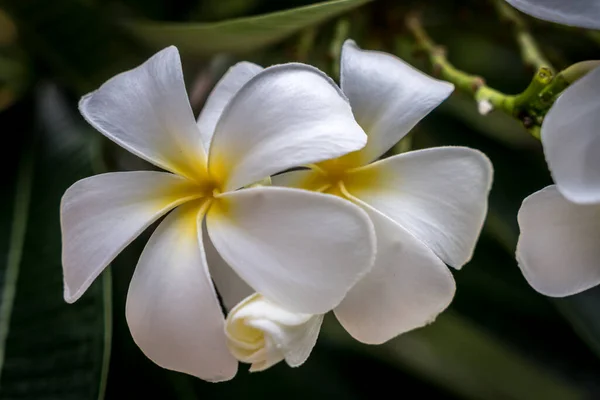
(571, 140)
(387, 95)
(582, 13)
(262, 333)
(407, 288)
(102, 214)
(300, 249)
(286, 116)
(230, 286)
(438, 194)
(146, 111)
(221, 95)
(172, 308)
(558, 249)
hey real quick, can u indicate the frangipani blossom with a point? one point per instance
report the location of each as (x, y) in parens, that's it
(559, 243)
(427, 206)
(302, 250)
(262, 333)
(583, 13)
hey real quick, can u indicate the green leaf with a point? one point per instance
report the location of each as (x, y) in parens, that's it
(74, 40)
(455, 354)
(237, 35)
(48, 348)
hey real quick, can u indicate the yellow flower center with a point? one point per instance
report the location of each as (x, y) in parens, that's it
(339, 176)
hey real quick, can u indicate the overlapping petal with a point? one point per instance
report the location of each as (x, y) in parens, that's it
(407, 288)
(582, 13)
(571, 140)
(300, 249)
(388, 96)
(230, 286)
(172, 308)
(233, 80)
(438, 194)
(146, 111)
(286, 116)
(102, 214)
(558, 249)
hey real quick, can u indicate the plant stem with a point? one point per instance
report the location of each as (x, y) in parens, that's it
(530, 52)
(471, 84)
(342, 29)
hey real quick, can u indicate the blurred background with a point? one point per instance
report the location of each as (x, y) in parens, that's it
(498, 340)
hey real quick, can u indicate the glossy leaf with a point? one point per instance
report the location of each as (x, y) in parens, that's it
(48, 348)
(240, 35)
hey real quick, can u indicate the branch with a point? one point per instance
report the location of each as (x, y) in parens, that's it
(530, 52)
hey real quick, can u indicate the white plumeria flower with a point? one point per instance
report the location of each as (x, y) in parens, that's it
(300, 249)
(427, 206)
(582, 13)
(262, 333)
(559, 244)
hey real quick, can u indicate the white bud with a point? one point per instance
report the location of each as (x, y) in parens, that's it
(484, 107)
(262, 333)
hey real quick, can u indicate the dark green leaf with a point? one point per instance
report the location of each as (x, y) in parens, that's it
(72, 39)
(48, 348)
(237, 35)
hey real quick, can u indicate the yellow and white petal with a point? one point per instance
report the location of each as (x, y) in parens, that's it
(146, 111)
(286, 116)
(300, 249)
(221, 95)
(407, 288)
(230, 286)
(581, 13)
(571, 140)
(388, 96)
(558, 248)
(172, 308)
(438, 194)
(102, 214)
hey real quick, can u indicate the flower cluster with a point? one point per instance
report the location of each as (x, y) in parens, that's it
(367, 239)
(558, 248)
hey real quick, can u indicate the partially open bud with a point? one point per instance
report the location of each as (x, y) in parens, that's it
(262, 333)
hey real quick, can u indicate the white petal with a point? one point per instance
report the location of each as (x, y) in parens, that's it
(571, 139)
(407, 288)
(221, 95)
(300, 249)
(172, 308)
(558, 249)
(230, 286)
(438, 194)
(263, 333)
(582, 13)
(388, 96)
(146, 111)
(102, 214)
(286, 116)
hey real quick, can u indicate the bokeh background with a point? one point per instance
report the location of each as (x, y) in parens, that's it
(498, 340)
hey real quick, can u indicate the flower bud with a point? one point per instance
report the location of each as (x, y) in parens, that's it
(262, 333)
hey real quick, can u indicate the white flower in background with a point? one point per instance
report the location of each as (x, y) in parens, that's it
(583, 13)
(559, 244)
(427, 206)
(300, 249)
(261, 333)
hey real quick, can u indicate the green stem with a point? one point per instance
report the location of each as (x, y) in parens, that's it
(468, 83)
(530, 51)
(565, 78)
(342, 29)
